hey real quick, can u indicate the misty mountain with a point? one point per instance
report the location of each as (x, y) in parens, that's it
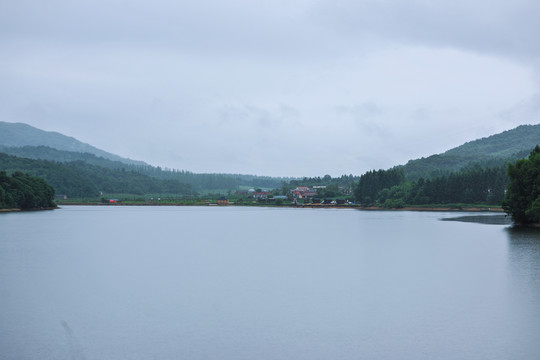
(19, 135)
(491, 151)
(81, 179)
(199, 182)
(47, 153)
(24, 141)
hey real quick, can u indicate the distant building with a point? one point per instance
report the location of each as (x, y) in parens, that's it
(261, 194)
(222, 201)
(303, 192)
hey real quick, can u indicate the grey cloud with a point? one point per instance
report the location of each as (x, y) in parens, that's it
(366, 118)
(500, 27)
(283, 29)
(182, 81)
(252, 116)
(202, 28)
(365, 109)
(526, 111)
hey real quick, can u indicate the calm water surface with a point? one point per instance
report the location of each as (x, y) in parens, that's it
(254, 283)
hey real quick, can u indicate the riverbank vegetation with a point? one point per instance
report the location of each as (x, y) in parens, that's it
(21, 191)
(474, 184)
(522, 199)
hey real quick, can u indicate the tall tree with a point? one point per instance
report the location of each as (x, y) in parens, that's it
(522, 200)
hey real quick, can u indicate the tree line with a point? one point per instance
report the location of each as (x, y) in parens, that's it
(522, 200)
(80, 179)
(198, 182)
(473, 184)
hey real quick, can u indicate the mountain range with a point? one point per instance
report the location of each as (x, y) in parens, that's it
(78, 169)
(52, 150)
(20, 134)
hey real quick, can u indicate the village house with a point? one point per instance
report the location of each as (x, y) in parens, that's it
(303, 192)
(260, 194)
(222, 201)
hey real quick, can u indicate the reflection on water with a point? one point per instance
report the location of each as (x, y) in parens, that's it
(524, 252)
(524, 271)
(524, 234)
(483, 219)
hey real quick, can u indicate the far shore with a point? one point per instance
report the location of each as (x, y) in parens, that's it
(310, 206)
(24, 210)
(462, 209)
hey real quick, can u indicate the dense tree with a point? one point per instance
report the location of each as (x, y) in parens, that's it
(342, 181)
(80, 179)
(329, 191)
(493, 151)
(25, 192)
(372, 182)
(473, 184)
(198, 182)
(522, 200)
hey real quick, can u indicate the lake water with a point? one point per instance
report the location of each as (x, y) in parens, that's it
(257, 283)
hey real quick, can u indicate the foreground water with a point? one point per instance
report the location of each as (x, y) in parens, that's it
(255, 283)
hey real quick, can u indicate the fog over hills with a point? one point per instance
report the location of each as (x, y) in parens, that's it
(20, 134)
(25, 141)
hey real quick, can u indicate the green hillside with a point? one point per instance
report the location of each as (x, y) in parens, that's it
(80, 179)
(47, 153)
(74, 159)
(25, 141)
(492, 151)
(503, 145)
(19, 135)
(199, 182)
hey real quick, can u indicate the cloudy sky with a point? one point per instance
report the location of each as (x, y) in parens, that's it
(284, 88)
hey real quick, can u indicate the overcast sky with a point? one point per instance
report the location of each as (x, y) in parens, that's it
(283, 88)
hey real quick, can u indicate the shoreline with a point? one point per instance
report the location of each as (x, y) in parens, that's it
(9, 210)
(25, 210)
(312, 206)
(438, 209)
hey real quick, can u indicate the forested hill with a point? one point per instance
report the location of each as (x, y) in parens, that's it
(19, 134)
(24, 141)
(80, 179)
(100, 165)
(503, 145)
(492, 151)
(47, 153)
